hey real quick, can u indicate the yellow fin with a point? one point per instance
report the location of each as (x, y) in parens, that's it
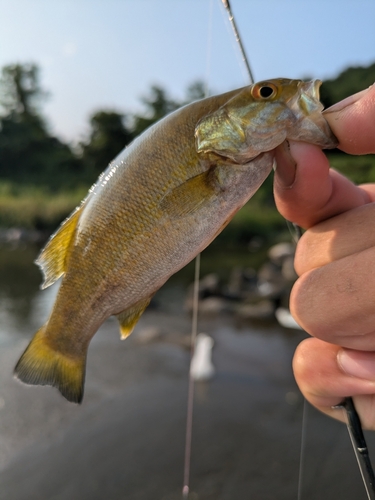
(40, 364)
(188, 197)
(52, 259)
(129, 317)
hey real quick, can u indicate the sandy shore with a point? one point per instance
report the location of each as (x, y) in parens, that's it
(127, 439)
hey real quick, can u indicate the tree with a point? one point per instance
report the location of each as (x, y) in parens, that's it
(108, 137)
(350, 81)
(195, 91)
(158, 105)
(28, 153)
(20, 92)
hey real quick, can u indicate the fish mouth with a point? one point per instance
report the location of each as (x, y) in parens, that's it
(312, 89)
(313, 126)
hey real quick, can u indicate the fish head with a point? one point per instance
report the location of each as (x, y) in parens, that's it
(262, 116)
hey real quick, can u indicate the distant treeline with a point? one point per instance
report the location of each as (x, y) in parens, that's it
(350, 81)
(37, 168)
(29, 154)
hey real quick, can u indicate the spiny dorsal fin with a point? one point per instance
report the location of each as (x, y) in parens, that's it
(52, 259)
(129, 317)
(40, 364)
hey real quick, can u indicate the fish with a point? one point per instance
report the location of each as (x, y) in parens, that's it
(159, 203)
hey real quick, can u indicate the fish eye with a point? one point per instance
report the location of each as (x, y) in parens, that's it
(264, 91)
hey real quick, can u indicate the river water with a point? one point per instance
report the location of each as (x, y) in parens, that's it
(126, 441)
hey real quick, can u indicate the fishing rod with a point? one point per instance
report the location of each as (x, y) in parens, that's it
(237, 36)
(353, 421)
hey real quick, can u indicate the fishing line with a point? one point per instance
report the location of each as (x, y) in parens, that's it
(302, 450)
(194, 321)
(190, 405)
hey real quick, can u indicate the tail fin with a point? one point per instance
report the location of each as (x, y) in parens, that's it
(40, 364)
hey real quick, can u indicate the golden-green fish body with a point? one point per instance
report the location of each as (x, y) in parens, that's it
(158, 204)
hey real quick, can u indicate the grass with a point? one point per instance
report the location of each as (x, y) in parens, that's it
(33, 207)
(359, 169)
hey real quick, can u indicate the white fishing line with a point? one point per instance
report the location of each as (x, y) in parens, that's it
(302, 450)
(190, 405)
(194, 321)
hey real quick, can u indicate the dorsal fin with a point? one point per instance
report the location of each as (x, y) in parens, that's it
(52, 259)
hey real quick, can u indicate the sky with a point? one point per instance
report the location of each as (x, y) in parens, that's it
(105, 54)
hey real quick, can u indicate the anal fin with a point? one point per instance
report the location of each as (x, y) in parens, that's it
(52, 259)
(129, 317)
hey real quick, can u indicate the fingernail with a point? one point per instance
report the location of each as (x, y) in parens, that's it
(339, 106)
(285, 165)
(360, 364)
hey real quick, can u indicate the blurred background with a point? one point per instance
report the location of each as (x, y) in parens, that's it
(79, 81)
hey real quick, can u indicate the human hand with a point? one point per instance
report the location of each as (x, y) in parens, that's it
(334, 297)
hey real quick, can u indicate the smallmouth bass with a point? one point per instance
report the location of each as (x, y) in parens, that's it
(159, 203)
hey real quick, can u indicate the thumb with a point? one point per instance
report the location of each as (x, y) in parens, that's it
(353, 122)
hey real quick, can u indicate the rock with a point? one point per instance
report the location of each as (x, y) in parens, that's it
(271, 283)
(255, 244)
(279, 252)
(178, 339)
(270, 290)
(17, 235)
(262, 310)
(269, 271)
(148, 334)
(235, 282)
(213, 305)
(287, 269)
(285, 319)
(201, 367)
(241, 283)
(209, 285)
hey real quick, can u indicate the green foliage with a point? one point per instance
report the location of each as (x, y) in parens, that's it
(254, 219)
(35, 208)
(28, 153)
(348, 82)
(108, 137)
(195, 92)
(359, 169)
(20, 92)
(158, 105)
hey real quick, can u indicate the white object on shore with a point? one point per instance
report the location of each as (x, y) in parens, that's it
(285, 319)
(201, 367)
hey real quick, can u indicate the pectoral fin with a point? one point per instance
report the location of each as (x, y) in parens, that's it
(189, 196)
(129, 317)
(52, 259)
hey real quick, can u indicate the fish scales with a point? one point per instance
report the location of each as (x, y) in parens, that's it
(158, 204)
